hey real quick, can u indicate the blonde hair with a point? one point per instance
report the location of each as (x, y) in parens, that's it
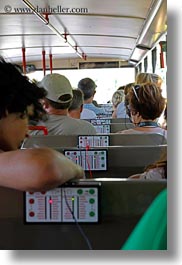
(128, 87)
(117, 97)
(148, 78)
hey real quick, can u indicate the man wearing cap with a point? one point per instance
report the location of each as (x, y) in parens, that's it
(87, 86)
(57, 102)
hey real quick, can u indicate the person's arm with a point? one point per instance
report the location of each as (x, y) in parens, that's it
(153, 173)
(136, 176)
(114, 114)
(36, 169)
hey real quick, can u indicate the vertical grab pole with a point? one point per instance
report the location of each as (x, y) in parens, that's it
(43, 62)
(50, 59)
(24, 60)
(161, 55)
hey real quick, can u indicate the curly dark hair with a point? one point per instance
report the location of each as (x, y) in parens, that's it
(17, 92)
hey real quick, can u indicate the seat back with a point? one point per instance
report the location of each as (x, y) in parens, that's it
(122, 203)
(114, 139)
(123, 161)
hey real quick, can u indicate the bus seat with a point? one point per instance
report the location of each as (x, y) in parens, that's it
(122, 204)
(114, 140)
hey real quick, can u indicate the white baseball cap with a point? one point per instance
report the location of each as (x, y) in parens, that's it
(57, 86)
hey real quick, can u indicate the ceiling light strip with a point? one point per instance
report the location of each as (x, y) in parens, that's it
(150, 20)
(51, 27)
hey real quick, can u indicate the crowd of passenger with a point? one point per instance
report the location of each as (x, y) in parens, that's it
(54, 104)
(63, 110)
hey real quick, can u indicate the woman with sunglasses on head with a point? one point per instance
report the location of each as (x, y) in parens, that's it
(145, 104)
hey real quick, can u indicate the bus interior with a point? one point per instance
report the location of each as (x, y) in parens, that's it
(110, 42)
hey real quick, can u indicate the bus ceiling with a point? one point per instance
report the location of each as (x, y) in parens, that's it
(121, 30)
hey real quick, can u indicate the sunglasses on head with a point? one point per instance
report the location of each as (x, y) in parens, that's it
(134, 88)
(128, 111)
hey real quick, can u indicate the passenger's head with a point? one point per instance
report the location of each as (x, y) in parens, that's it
(76, 106)
(19, 101)
(117, 97)
(59, 91)
(145, 101)
(87, 86)
(128, 87)
(148, 78)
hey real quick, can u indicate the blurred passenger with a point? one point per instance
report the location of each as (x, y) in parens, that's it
(76, 108)
(144, 105)
(128, 87)
(88, 86)
(117, 98)
(33, 169)
(57, 102)
(157, 170)
(148, 78)
(121, 108)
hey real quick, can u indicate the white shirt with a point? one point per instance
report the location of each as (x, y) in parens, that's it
(153, 173)
(87, 114)
(121, 111)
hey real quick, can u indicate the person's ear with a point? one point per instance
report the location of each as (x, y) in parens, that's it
(134, 113)
(137, 114)
(45, 103)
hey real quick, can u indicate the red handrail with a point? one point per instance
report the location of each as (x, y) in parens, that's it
(39, 128)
